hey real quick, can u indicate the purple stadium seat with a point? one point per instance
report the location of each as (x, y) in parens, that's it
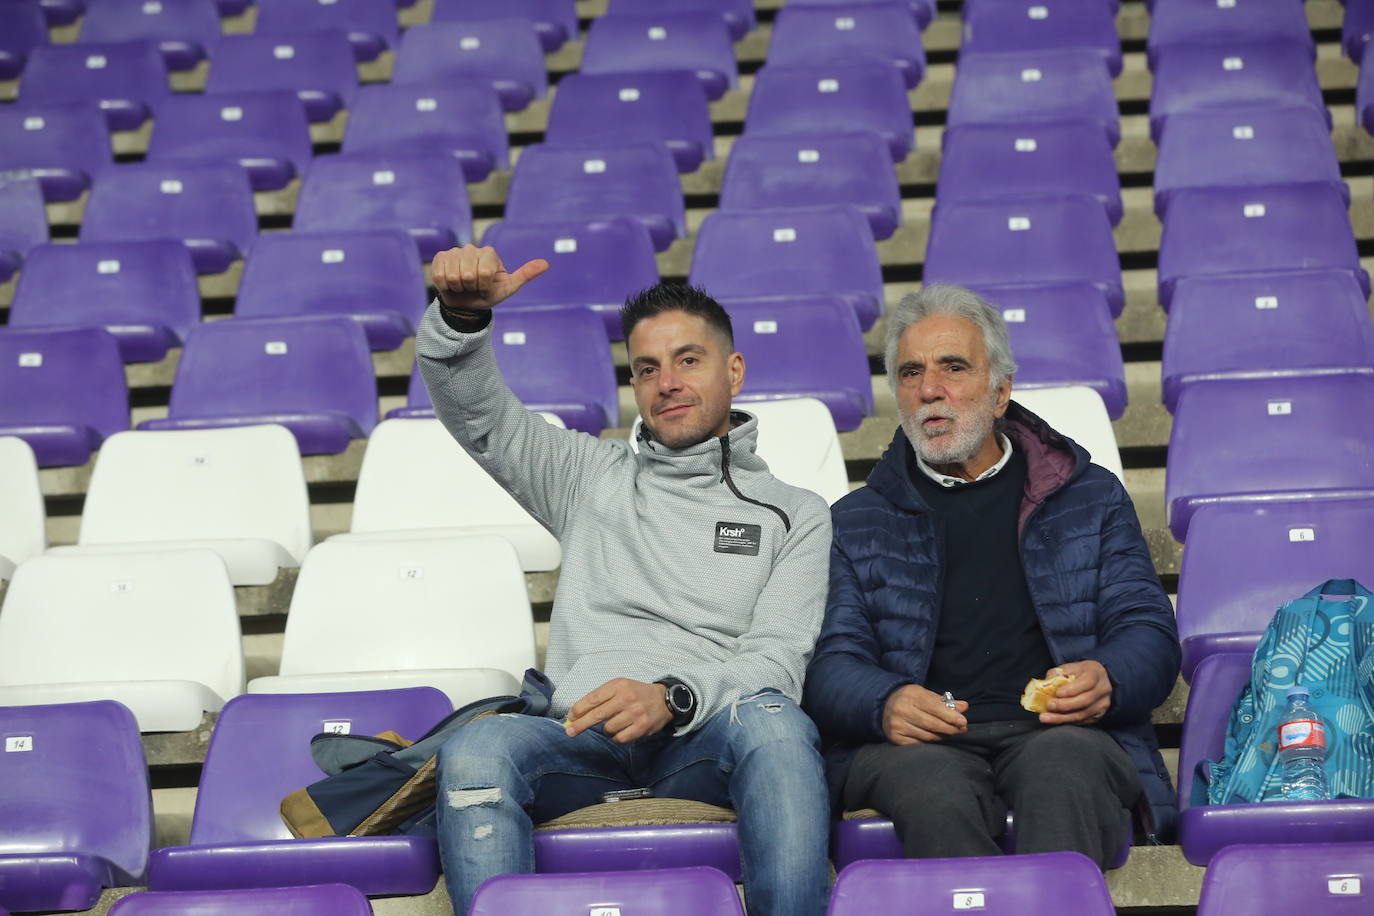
(856, 168)
(823, 251)
(1032, 87)
(267, 133)
(1049, 240)
(62, 12)
(805, 36)
(738, 14)
(555, 21)
(461, 116)
(126, 78)
(658, 892)
(831, 99)
(563, 185)
(22, 28)
(1043, 25)
(556, 360)
(63, 146)
(597, 265)
(1209, 149)
(318, 66)
(144, 293)
(922, 10)
(1264, 325)
(1185, 22)
(1235, 75)
(259, 753)
(186, 31)
(311, 374)
(1062, 334)
(665, 106)
(66, 392)
(425, 194)
(1244, 560)
(23, 223)
(1253, 440)
(698, 41)
(1330, 878)
(371, 25)
(503, 52)
(1238, 230)
(1204, 829)
(1044, 884)
(1004, 161)
(1364, 91)
(310, 900)
(1357, 28)
(209, 208)
(71, 828)
(371, 276)
(804, 347)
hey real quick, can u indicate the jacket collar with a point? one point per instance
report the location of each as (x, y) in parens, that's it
(1052, 461)
(705, 458)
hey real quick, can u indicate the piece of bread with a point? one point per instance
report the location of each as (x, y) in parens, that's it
(1038, 693)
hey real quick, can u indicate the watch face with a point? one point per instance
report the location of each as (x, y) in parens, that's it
(680, 697)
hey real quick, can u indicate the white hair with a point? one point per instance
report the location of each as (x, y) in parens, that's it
(958, 302)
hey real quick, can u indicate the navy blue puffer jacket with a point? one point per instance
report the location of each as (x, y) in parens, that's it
(1087, 567)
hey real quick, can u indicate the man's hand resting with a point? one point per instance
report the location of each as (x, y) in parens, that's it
(915, 715)
(1083, 700)
(629, 710)
(472, 279)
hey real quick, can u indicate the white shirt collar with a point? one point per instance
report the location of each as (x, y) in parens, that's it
(946, 481)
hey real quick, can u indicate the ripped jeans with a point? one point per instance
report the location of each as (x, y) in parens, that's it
(501, 775)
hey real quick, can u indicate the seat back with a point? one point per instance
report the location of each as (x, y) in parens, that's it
(795, 251)
(1243, 560)
(126, 78)
(260, 752)
(1029, 87)
(318, 65)
(266, 132)
(558, 361)
(103, 618)
(365, 605)
(694, 40)
(67, 143)
(1024, 885)
(833, 98)
(72, 381)
(738, 14)
(1174, 24)
(23, 534)
(371, 25)
(1275, 879)
(57, 803)
(797, 439)
(504, 52)
(23, 222)
(312, 900)
(252, 367)
(203, 484)
(461, 115)
(186, 30)
(805, 36)
(1216, 685)
(1080, 414)
(659, 892)
(807, 346)
(555, 21)
(23, 27)
(1250, 440)
(669, 106)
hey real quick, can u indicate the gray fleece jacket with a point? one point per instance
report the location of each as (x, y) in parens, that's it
(695, 563)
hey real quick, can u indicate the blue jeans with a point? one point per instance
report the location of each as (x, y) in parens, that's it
(502, 774)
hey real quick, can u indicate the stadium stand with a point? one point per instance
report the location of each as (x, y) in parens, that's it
(1216, 79)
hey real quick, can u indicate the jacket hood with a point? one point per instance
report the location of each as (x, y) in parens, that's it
(1052, 460)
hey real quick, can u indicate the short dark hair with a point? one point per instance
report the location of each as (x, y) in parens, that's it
(675, 297)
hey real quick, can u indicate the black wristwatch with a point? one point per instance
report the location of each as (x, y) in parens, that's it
(682, 703)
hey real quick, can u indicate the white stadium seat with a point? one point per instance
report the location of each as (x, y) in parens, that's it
(417, 482)
(239, 492)
(451, 613)
(23, 528)
(159, 632)
(1079, 413)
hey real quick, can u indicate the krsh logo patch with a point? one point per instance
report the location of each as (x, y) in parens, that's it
(737, 537)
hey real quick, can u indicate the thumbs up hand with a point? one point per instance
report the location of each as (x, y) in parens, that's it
(472, 279)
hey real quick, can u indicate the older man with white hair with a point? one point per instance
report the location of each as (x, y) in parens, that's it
(985, 551)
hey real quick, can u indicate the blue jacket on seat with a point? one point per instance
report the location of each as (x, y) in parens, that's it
(1088, 570)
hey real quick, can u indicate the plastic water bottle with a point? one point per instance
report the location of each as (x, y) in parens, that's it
(1302, 749)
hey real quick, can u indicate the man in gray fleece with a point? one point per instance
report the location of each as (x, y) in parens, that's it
(692, 590)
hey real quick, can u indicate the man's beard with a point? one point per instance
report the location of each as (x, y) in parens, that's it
(680, 436)
(962, 440)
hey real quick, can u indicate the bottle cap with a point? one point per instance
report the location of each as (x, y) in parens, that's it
(1297, 690)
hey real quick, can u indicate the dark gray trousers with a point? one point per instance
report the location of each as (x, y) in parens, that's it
(1072, 788)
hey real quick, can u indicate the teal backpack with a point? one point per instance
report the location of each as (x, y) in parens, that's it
(1324, 641)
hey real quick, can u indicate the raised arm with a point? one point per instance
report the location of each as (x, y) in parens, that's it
(540, 465)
